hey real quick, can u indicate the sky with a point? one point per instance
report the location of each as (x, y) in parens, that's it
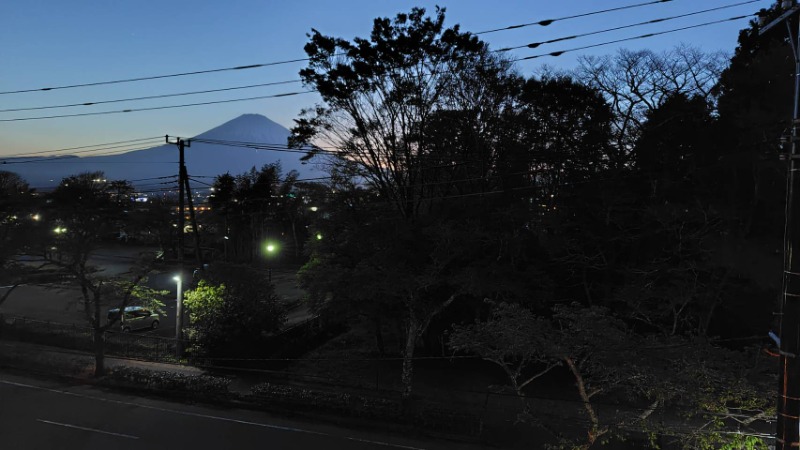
(47, 43)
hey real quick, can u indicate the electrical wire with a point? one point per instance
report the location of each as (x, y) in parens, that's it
(607, 30)
(83, 146)
(121, 149)
(547, 22)
(643, 36)
(530, 45)
(261, 146)
(151, 97)
(157, 77)
(66, 159)
(261, 97)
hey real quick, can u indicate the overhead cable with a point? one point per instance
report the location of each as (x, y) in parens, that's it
(118, 149)
(87, 146)
(264, 146)
(607, 30)
(69, 159)
(156, 77)
(643, 36)
(100, 113)
(150, 97)
(547, 22)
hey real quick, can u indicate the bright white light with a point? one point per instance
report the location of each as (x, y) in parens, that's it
(176, 278)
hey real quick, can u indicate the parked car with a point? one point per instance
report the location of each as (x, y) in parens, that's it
(135, 318)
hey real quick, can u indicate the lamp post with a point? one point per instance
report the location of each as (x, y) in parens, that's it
(179, 319)
(787, 433)
(271, 249)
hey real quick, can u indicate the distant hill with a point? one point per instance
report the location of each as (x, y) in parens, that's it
(202, 159)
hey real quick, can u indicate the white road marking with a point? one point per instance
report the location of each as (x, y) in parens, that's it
(87, 429)
(207, 416)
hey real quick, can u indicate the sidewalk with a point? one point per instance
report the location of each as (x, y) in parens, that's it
(72, 363)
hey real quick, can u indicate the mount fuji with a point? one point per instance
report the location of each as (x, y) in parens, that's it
(202, 159)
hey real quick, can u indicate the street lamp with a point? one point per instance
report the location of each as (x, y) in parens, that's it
(179, 318)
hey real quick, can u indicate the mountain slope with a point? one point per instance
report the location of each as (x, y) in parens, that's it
(202, 159)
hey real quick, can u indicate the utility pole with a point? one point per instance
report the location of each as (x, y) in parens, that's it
(185, 194)
(788, 427)
(182, 181)
(181, 209)
(193, 219)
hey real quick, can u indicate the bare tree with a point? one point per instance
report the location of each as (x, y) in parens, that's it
(637, 82)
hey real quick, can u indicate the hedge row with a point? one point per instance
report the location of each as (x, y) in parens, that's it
(429, 415)
(179, 383)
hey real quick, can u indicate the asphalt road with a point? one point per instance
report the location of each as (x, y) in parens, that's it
(37, 414)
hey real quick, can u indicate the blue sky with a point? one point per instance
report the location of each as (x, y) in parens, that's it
(56, 42)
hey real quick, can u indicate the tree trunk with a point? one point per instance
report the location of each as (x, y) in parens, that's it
(595, 431)
(99, 352)
(408, 355)
(296, 240)
(379, 337)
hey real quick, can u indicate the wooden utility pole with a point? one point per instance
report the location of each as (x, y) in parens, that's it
(183, 194)
(788, 426)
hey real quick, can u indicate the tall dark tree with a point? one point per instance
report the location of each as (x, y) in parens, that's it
(381, 93)
(86, 207)
(565, 129)
(20, 229)
(250, 208)
(755, 111)
(387, 100)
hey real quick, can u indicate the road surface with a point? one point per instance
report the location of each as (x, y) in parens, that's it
(37, 414)
(62, 302)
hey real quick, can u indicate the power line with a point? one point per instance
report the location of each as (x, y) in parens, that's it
(157, 77)
(153, 178)
(151, 97)
(286, 94)
(261, 146)
(643, 36)
(547, 22)
(86, 146)
(67, 160)
(120, 149)
(530, 45)
(68, 157)
(607, 30)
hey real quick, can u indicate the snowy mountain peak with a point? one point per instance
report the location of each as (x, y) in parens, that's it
(202, 158)
(249, 127)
